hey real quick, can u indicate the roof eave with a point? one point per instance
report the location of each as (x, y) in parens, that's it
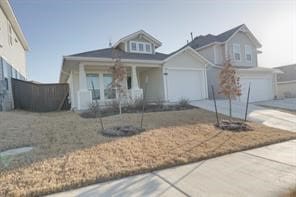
(130, 36)
(8, 11)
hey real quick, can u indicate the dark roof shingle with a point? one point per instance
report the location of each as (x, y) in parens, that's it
(201, 41)
(113, 53)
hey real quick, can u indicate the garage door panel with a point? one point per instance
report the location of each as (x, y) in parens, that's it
(187, 84)
(260, 88)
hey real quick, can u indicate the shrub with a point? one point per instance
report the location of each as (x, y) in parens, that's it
(183, 103)
(135, 105)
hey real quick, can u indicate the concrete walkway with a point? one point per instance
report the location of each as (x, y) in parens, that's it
(269, 117)
(268, 171)
(289, 103)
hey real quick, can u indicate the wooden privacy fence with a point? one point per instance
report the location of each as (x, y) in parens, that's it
(40, 97)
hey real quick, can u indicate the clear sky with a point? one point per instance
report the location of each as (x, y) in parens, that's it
(55, 28)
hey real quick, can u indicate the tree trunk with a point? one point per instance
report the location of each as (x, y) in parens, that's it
(230, 108)
(119, 104)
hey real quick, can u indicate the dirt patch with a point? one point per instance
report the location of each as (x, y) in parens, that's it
(172, 138)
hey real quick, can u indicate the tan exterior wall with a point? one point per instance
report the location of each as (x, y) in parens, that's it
(184, 60)
(15, 55)
(220, 54)
(208, 53)
(286, 90)
(242, 39)
(155, 90)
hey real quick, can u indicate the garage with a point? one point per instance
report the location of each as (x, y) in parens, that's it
(186, 83)
(261, 87)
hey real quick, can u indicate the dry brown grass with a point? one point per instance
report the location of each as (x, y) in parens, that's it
(173, 138)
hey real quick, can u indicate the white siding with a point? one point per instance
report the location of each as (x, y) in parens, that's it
(242, 39)
(15, 55)
(155, 91)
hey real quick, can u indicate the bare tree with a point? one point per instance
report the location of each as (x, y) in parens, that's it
(229, 84)
(119, 76)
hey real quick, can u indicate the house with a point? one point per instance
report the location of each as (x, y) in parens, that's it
(240, 47)
(286, 82)
(13, 48)
(185, 73)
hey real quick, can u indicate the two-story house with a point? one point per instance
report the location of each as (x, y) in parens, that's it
(240, 47)
(186, 73)
(13, 47)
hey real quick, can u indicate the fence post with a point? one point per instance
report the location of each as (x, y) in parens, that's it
(247, 106)
(217, 118)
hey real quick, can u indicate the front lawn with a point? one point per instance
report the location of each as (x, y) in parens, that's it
(69, 151)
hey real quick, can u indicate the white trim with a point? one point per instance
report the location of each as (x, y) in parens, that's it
(135, 34)
(248, 48)
(285, 82)
(8, 11)
(188, 48)
(233, 52)
(78, 58)
(215, 54)
(137, 43)
(245, 30)
(184, 68)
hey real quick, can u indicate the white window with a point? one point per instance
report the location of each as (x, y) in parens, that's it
(10, 34)
(236, 52)
(248, 53)
(140, 47)
(93, 84)
(148, 48)
(133, 46)
(109, 92)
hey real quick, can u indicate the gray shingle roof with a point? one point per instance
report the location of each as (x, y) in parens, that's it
(289, 73)
(112, 53)
(202, 40)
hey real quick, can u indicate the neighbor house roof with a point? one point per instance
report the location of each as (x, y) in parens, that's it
(114, 53)
(289, 73)
(205, 40)
(4, 4)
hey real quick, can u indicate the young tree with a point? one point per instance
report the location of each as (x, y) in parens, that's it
(229, 84)
(119, 76)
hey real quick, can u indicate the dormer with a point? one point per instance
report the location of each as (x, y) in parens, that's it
(138, 42)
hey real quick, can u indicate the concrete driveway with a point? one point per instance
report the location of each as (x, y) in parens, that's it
(289, 103)
(268, 171)
(269, 117)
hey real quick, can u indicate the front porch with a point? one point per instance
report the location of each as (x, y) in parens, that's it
(100, 78)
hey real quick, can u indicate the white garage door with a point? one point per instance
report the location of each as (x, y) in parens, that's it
(188, 84)
(261, 88)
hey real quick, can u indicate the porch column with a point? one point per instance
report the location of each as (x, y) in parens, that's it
(82, 78)
(136, 92)
(84, 96)
(135, 85)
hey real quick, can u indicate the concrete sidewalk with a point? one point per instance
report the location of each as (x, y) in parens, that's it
(269, 117)
(267, 171)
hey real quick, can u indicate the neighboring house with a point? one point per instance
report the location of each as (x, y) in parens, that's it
(286, 82)
(240, 47)
(186, 73)
(13, 47)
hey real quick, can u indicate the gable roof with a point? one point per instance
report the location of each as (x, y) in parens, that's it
(112, 53)
(203, 41)
(289, 73)
(8, 11)
(156, 42)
